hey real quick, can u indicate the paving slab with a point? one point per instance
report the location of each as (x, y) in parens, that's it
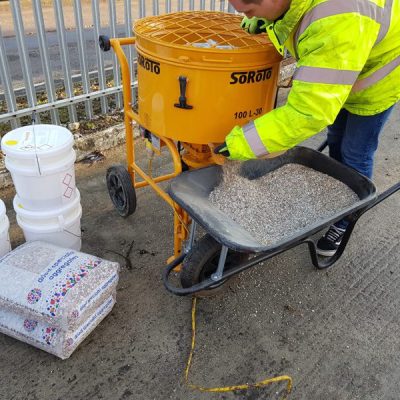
(335, 332)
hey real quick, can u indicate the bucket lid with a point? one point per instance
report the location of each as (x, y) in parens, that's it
(30, 141)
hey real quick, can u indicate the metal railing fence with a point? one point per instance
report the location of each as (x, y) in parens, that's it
(49, 72)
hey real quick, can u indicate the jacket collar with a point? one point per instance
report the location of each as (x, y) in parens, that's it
(284, 26)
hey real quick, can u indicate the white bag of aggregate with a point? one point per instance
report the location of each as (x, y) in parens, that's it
(59, 287)
(47, 337)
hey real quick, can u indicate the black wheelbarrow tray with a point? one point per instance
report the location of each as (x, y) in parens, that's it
(191, 191)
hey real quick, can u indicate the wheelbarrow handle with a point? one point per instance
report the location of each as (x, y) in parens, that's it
(382, 196)
(393, 189)
(322, 146)
(322, 264)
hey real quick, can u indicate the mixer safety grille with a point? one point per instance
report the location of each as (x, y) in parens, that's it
(199, 29)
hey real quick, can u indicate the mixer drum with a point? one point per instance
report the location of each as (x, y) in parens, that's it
(200, 74)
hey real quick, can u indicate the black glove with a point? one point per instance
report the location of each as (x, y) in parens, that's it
(222, 149)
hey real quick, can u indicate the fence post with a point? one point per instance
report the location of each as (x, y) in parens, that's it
(5, 77)
(69, 89)
(45, 59)
(82, 56)
(23, 53)
(99, 54)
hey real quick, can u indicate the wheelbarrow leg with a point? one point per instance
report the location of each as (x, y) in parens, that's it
(326, 262)
(190, 242)
(181, 222)
(217, 275)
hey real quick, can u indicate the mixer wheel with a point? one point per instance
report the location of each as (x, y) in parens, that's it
(121, 190)
(202, 261)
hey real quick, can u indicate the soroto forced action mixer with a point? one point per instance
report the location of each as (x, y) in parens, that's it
(199, 74)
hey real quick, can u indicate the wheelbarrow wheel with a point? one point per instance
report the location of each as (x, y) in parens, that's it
(121, 190)
(202, 261)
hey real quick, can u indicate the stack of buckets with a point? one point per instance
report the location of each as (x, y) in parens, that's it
(41, 161)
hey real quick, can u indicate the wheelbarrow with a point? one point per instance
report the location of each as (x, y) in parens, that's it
(225, 248)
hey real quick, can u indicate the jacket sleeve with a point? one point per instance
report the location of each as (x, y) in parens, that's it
(331, 53)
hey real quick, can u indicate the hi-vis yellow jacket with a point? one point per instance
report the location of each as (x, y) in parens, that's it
(348, 56)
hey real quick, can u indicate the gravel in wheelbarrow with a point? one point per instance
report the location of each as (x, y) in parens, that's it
(259, 205)
(281, 201)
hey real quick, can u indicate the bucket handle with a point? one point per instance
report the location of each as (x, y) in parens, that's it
(61, 222)
(63, 228)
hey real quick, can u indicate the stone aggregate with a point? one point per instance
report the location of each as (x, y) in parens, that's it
(280, 203)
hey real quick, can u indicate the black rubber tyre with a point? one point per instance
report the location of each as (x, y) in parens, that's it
(202, 261)
(104, 43)
(121, 190)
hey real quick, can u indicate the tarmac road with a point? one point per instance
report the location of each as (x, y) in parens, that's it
(7, 28)
(335, 332)
(35, 61)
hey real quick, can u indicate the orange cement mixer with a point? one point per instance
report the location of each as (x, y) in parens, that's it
(199, 74)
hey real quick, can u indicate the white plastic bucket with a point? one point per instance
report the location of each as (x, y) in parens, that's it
(5, 245)
(59, 226)
(41, 161)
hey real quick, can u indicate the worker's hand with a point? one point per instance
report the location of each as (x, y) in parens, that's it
(222, 150)
(254, 25)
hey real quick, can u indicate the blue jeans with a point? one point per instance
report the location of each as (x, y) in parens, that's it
(353, 140)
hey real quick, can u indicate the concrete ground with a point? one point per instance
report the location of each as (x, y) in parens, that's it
(335, 332)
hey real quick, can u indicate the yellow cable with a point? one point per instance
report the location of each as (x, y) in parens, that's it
(262, 383)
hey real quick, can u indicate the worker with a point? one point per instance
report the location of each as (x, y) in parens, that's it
(347, 79)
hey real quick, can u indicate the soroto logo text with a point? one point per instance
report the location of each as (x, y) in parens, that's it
(149, 65)
(250, 76)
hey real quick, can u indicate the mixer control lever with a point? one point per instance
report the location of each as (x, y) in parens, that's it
(182, 98)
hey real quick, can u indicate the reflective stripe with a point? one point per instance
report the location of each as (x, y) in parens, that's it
(253, 139)
(385, 23)
(376, 76)
(325, 75)
(334, 7)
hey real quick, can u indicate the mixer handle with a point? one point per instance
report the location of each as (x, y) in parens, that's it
(182, 98)
(104, 43)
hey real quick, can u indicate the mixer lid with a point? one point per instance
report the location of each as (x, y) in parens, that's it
(199, 29)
